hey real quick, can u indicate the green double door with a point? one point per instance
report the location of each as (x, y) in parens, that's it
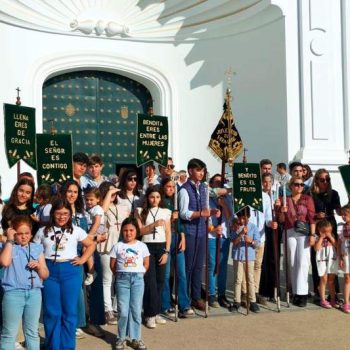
(99, 110)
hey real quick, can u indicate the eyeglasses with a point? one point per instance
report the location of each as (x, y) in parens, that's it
(132, 178)
(61, 215)
(298, 184)
(171, 166)
(324, 180)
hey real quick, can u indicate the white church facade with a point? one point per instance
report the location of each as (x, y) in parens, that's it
(73, 60)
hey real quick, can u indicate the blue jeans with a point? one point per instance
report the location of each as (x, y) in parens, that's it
(184, 301)
(81, 319)
(20, 304)
(221, 279)
(129, 287)
(60, 300)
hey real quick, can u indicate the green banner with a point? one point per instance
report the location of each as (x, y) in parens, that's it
(20, 134)
(345, 174)
(247, 186)
(152, 139)
(54, 158)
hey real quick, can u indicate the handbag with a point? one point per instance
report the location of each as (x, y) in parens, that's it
(302, 227)
(299, 226)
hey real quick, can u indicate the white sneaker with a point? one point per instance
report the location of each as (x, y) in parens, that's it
(90, 278)
(151, 322)
(18, 346)
(79, 334)
(160, 320)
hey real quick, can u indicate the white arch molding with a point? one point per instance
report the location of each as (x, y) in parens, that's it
(160, 87)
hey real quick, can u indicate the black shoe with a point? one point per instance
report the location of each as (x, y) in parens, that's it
(296, 300)
(223, 302)
(303, 301)
(254, 307)
(234, 307)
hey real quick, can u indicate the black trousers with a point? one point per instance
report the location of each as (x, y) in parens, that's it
(154, 281)
(268, 271)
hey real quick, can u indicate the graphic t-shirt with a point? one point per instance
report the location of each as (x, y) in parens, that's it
(130, 256)
(60, 243)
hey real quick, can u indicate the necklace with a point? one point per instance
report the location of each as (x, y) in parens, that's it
(32, 277)
(115, 215)
(154, 220)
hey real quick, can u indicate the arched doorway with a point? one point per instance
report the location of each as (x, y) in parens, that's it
(99, 109)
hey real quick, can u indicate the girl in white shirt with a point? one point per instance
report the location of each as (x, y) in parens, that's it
(129, 260)
(154, 221)
(61, 290)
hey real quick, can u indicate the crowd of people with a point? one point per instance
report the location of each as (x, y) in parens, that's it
(117, 250)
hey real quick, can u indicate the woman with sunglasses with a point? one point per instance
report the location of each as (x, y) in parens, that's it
(129, 194)
(327, 203)
(61, 290)
(298, 214)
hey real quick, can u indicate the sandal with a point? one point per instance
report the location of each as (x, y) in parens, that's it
(325, 304)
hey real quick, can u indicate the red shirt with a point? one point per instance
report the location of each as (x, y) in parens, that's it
(303, 210)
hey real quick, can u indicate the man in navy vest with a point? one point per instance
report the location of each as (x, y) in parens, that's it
(194, 211)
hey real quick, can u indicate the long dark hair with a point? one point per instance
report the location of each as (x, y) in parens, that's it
(145, 207)
(163, 183)
(13, 201)
(79, 203)
(123, 182)
(131, 221)
(104, 188)
(60, 203)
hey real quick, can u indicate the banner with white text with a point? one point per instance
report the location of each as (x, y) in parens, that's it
(54, 158)
(20, 134)
(152, 139)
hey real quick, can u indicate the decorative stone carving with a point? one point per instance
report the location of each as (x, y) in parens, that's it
(100, 27)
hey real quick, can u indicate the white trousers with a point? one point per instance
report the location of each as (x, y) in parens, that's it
(299, 261)
(107, 280)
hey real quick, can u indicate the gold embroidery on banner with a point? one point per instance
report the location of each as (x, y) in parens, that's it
(69, 110)
(124, 112)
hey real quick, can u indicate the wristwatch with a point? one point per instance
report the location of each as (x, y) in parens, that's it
(166, 251)
(11, 241)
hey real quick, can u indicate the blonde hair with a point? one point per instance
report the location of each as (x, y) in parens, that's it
(314, 186)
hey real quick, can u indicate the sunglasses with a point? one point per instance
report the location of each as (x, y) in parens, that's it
(324, 180)
(298, 184)
(171, 166)
(132, 178)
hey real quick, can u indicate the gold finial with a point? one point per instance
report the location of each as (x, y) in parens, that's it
(18, 99)
(53, 130)
(150, 106)
(244, 155)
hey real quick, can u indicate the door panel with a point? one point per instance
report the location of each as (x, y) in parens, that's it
(99, 109)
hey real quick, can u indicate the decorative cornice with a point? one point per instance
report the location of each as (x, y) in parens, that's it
(165, 20)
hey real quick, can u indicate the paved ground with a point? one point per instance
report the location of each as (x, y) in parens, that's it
(294, 328)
